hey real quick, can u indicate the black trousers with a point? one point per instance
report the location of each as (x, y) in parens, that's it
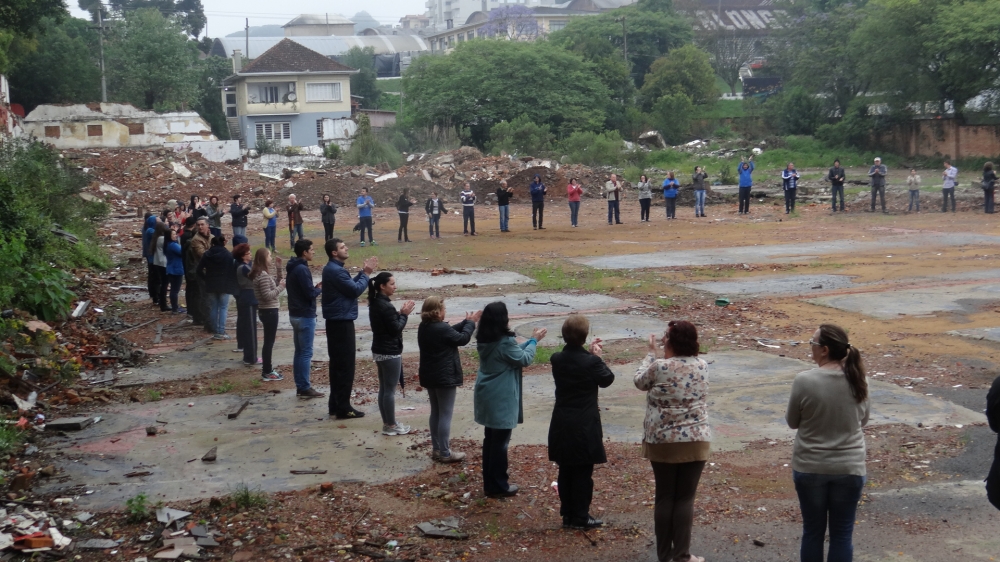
(160, 271)
(328, 230)
(153, 282)
(614, 208)
(988, 200)
(576, 490)
(340, 345)
(671, 204)
(837, 189)
(366, 224)
(790, 199)
(745, 199)
(878, 191)
(946, 193)
(468, 219)
(246, 326)
(404, 234)
(644, 205)
(269, 318)
(537, 212)
(193, 299)
(673, 513)
(495, 478)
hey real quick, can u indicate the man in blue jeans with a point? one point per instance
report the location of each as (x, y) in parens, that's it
(503, 204)
(302, 315)
(365, 205)
(340, 310)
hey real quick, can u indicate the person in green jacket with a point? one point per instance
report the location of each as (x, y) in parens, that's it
(497, 395)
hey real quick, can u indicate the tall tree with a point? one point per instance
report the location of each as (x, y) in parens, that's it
(364, 83)
(64, 68)
(27, 17)
(729, 51)
(685, 70)
(211, 72)
(189, 13)
(515, 22)
(151, 63)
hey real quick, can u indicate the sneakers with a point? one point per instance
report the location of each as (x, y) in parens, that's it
(362, 243)
(223, 337)
(511, 491)
(238, 350)
(180, 310)
(452, 457)
(373, 243)
(309, 393)
(588, 523)
(351, 414)
(274, 375)
(398, 429)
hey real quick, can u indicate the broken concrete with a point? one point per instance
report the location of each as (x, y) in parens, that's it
(783, 285)
(608, 327)
(113, 125)
(960, 299)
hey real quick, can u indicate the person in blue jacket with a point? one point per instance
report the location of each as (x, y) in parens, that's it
(537, 190)
(496, 398)
(745, 171)
(340, 310)
(302, 315)
(175, 270)
(365, 205)
(152, 280)
(790, 182)
(670, 186)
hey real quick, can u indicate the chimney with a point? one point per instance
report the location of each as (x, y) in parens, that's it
(237, 61)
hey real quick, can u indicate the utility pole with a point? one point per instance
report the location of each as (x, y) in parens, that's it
(247, 31)
(104, 82)
(625, 37)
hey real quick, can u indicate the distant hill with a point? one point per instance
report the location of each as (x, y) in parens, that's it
(261, 31)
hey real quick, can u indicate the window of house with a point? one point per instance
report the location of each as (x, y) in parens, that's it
(274, 131)
(472, 35)
(461, 37)
(52, 131)
(556, 25)
(230, 99)
(95, 130)
(322, 91)
(268, 94)
(319, 128)
(136, 128)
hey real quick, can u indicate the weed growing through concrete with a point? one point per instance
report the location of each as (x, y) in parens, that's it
(223, 387)
(664, 302)
(10, 438)
(246, 497)
(492, 528)
(137, 508)
(154, 395)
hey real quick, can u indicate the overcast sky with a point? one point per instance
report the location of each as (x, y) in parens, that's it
(227, 16)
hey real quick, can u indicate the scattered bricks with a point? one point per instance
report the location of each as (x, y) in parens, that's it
(38, 542)
(326, 487)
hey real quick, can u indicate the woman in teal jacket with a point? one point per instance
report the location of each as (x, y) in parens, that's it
(497, 394)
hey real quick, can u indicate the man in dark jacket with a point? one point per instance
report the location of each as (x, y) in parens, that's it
(537, 190)
(836, 177)
(302, 315)
(993, 417)
(575, 434)
(877, 173)
(218, 270)
(152, 280)
(435, 209)
(340, 310)
(239, 213)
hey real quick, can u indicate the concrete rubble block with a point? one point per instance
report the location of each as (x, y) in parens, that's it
(97, 544)
(442, 528)
(180, 169)
(426, 175)
(69, 424)
(106, 188)
(168, 515)
(389, 176)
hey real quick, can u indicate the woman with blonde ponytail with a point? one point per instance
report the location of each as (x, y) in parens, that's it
(828, 407)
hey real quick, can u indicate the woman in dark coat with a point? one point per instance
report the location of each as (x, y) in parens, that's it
(989, 187)
(441, 370)
(328, 212)
(993, 416)
(387, 346)
(217, 269)
(575, 435)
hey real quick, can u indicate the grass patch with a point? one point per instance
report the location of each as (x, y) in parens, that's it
(246, 497)
(664, 302)
(544, 354)
(154, 395)
(722, 109)
(223, 387)
(10, 438)
(137, 508)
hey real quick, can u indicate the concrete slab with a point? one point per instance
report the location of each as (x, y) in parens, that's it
(961, 299)
(783, 285)
(278, 433)
(987, 334)
(608, 327)
(414, 280)
(786, 252)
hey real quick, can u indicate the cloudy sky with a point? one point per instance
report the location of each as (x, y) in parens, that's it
(227, 16)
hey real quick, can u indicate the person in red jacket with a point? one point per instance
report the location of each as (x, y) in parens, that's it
(573, 193)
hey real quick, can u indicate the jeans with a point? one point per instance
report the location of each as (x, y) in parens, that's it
(328, 230)
(576, 490)
(946, 193)
(389, 373)
(340, 345)
(671, 204)
(574, 212)
(745, 199)
(442, 408)
(914, 199)
(404, 222)
(216, 231)
(175, 289)
(468, 219)
(293, 231)
(495, 478)
(246, 326)
(434, 223)
(218, 311)
(790, 199)
(161, 286)
(269, 318)
(699, 202)
(537, 213)
(303, 332)
(673, 513)
(366, 224)
(504, 217)
(613, 209)
(988, 200)
(834, 191)
(827, 496)
(878, 191)
(269, 232)
(644, 205)
(239, 231)
(153, 282)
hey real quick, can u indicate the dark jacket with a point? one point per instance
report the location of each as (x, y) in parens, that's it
(537, 191)
(301, 291)
(993, 417)
(789, 178)
(440, 365)
(836, 176)
(503, 197)
(329, 213)
(340, 292)
(403, 205)
(185, 256)
(429, 205)
(877, 174)
(387, 326)
(218, 268)
(239, 213)
(575, 434)
(147, 235)
(990, 179)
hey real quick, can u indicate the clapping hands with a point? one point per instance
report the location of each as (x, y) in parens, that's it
(407, 307)
(474, 316)
(370, 265)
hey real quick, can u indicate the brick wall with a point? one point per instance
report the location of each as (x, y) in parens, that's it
(942, 137)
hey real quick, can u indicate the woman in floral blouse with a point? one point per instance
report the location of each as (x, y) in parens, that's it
(676, 435)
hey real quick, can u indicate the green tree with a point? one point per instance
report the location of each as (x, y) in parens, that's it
(208, 104)
(729, 51)
(363, 83)
(685, 70)
(64, 68)
(190, 14)
(28, 17)
(521, 136)
(671, 116)
(487, 81)
(794, 111)
(151, 63)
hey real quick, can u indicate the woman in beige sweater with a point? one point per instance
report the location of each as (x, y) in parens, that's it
(829, 406)
(676, 436)
(266, 291)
